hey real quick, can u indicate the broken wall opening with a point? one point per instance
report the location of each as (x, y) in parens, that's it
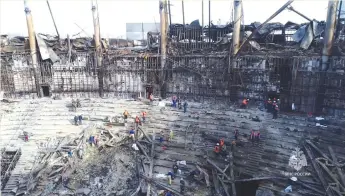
(46, 90)
(247, 188)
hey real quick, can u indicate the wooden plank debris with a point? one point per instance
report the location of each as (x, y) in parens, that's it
(318, 172)
(218, 169)
(151, 181)
(335, 161)
(233, 187)
(151, 164)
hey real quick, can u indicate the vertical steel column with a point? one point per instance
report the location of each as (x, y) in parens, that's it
(184, 22)
(163, 29)
(32, 41)
(329, 33)
(326, 52)
(237, 26)
(202, 13)
(97, 40)
(209, 22)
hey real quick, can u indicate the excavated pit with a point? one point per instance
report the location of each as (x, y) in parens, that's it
(115, 168)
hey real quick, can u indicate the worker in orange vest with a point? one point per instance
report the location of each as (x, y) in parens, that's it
(245, 103)
(125, 114)
(217, 148)
(144, 115)
(137, 120)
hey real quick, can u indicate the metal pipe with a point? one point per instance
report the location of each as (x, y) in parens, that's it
(299, 13)
(32, 42)
(236, 34)
(51, 14)
(260, 26)
(98, 47)
(329, 33)
(183, 13)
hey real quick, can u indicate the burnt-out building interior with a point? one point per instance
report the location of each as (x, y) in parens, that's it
(213, 67)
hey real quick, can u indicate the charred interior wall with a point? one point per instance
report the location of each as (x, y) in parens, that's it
(199, 77)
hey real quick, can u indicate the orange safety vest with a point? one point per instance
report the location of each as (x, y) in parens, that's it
(125, 113)
(137, 119)
(244, 102)
(144, 114)
(151, 97)
(216, 149)
(221, 142)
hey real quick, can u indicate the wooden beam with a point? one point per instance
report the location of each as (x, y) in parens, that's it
(215, 181)
(224, 186)
(142, 149)
(147, 137)
(151, 164)
(233, 186)
(218, 169)
(152, 181)
(335, 161)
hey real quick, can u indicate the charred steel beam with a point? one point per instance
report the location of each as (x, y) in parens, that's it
(51, 14)
(97, 39)
(237, 25)
(339, 22)
(335, 162)
(259, 27)
(299, 13)
(329, 33)
(184, 22)
(209, 21)
(318, 171)
(202, 13)
(32, 42)
(169, 13)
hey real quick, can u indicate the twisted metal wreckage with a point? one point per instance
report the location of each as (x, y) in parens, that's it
(218, 63)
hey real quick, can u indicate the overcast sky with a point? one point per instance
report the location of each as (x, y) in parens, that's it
(115, 13)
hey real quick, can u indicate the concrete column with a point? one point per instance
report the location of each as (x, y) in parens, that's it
(236, 34)
(97, 39)
(163, 43)
(329, 33)
(32, 42)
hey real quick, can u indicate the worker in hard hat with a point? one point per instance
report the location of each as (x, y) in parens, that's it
(217, 148)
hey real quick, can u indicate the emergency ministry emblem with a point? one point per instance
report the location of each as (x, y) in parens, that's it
(297, 159)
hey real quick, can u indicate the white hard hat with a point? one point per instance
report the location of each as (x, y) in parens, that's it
(217, 144)
(293, 179)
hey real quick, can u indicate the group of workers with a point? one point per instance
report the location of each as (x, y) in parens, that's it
(171, 176)
(93, 140)
(137, 121)
(176, 102)
(273, 107)
(220, 147)
(255, 136)
(78, 119)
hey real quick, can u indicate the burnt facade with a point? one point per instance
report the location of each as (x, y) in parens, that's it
(198, 66)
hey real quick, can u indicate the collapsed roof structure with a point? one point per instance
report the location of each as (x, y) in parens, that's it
(302, 65)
